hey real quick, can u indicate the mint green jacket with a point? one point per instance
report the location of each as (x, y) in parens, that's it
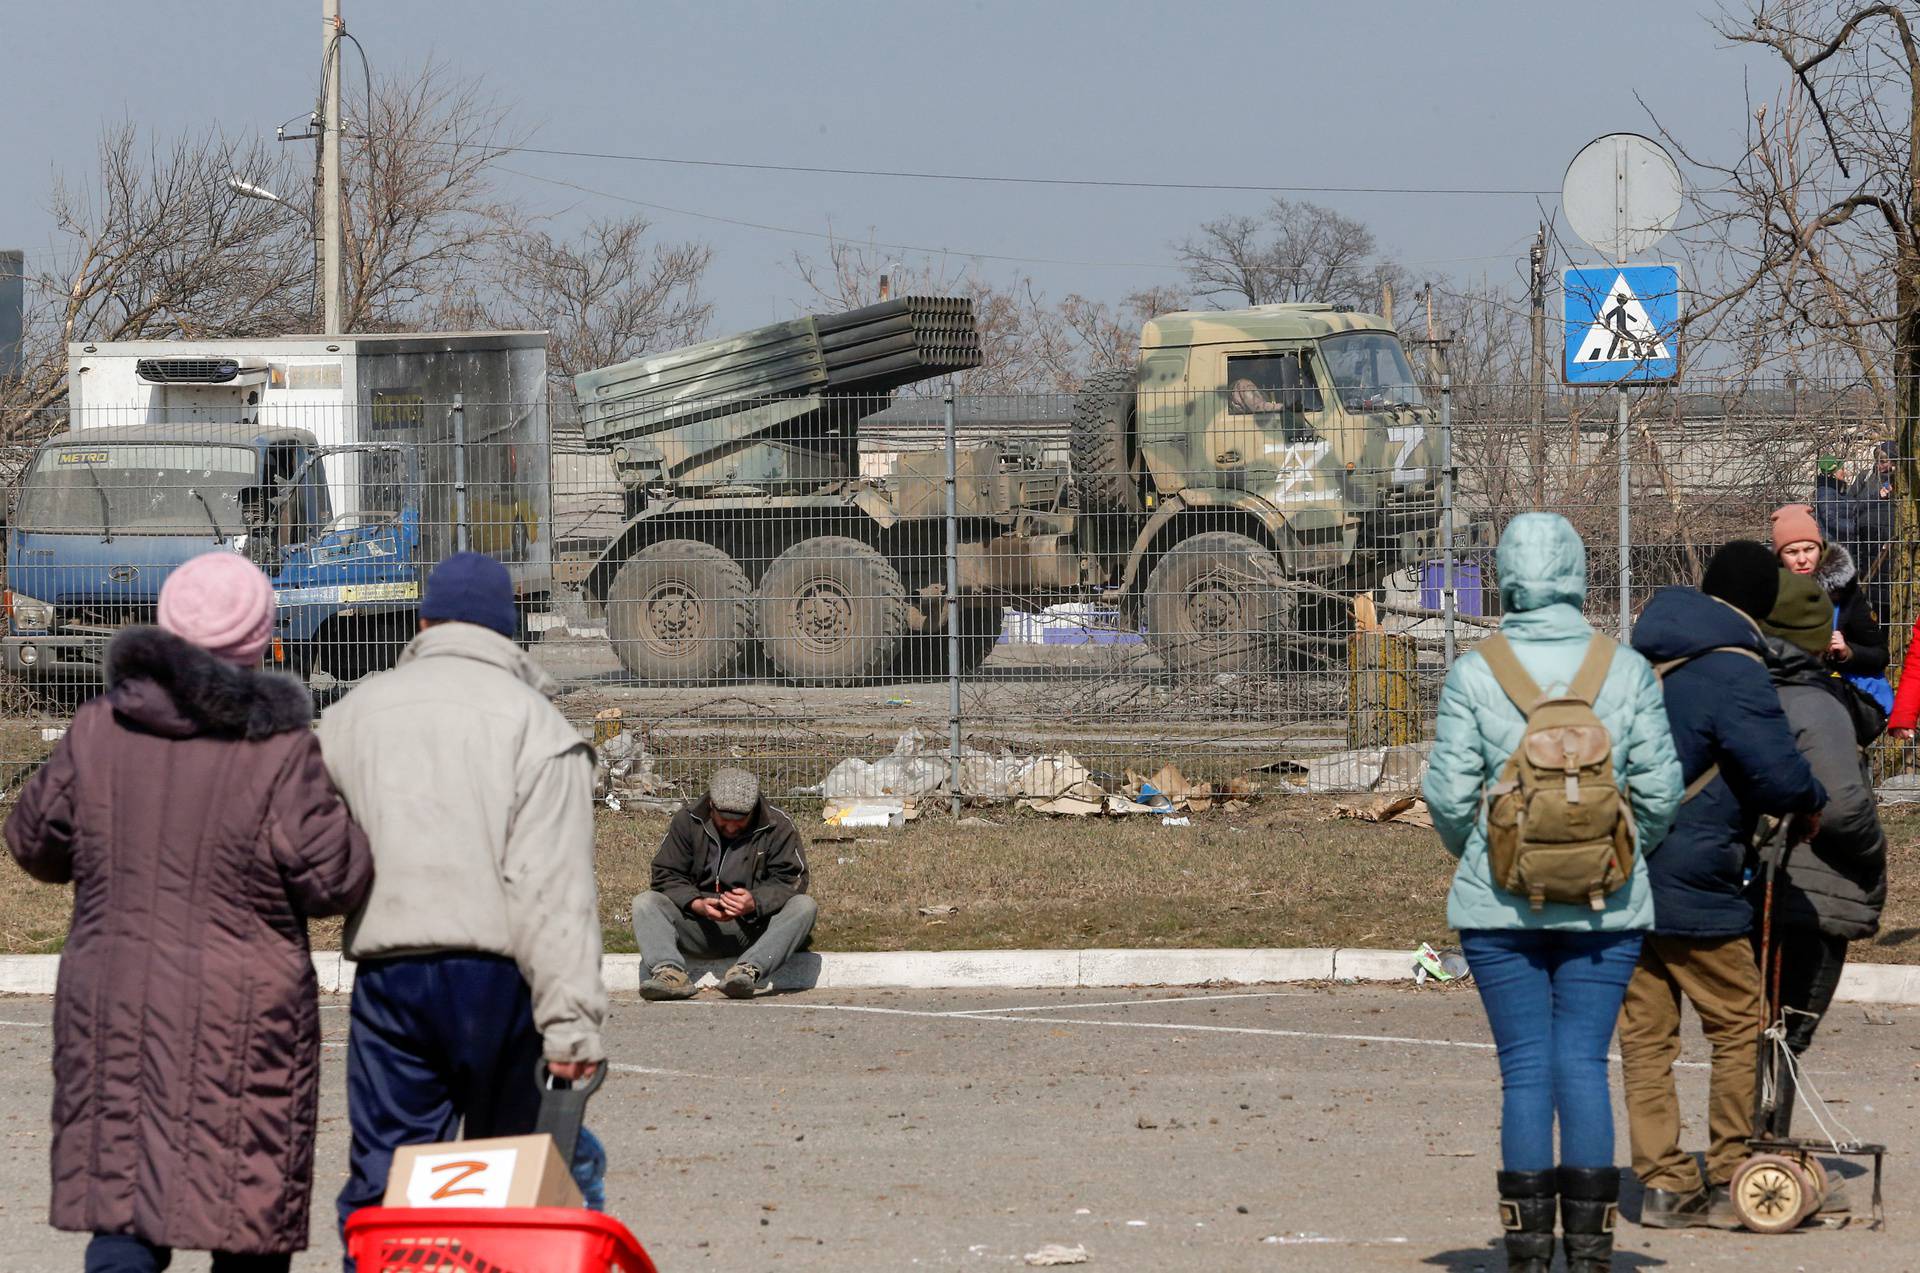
(1542, 566)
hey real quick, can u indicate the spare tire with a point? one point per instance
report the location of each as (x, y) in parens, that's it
(677, 611)
(1102, 445)
(831, 611)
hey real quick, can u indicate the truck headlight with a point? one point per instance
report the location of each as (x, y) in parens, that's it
(30, 615)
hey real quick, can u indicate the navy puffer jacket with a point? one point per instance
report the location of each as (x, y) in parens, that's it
(1724, 710)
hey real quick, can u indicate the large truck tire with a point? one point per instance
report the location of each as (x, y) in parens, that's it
(831, 611)
(678, 611)
(924, 654)
(1219, 603)
(1102, 446)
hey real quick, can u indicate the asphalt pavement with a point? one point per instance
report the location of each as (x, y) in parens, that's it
(1252, 1128)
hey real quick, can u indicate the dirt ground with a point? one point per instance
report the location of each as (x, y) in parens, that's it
(1284, 873)
(1325, 1129)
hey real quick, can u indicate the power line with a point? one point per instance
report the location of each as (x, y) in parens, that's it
(1113, 183)
(905, 247)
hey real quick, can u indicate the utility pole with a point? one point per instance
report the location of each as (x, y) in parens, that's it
(1537, 386)
(1433, 359)
(330, 292)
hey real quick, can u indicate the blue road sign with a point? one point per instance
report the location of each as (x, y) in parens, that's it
(1622, 324)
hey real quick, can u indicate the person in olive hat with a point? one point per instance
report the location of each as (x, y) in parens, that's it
(1834, 884)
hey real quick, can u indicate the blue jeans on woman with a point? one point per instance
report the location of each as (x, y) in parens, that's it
(1552, 999)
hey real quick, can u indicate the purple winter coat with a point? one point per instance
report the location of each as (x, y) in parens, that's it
(190, 808)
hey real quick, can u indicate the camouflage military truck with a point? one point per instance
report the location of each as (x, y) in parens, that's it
(1254, 468)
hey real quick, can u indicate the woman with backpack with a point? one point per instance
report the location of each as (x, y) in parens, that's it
(1551, 908)
(1857, 650)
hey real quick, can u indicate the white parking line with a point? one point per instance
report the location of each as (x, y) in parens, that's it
(617, 1067)
(26, 1025)
(1129, 1003)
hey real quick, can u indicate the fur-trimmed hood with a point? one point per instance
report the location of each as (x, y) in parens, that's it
(174, 688)
(1836, 574)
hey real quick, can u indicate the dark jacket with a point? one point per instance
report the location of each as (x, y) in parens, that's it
(1854, 619)
(1870, 504)
(1838, 883)
(1833, 507)
(1724, 711)
(769, 859)
(190, 809)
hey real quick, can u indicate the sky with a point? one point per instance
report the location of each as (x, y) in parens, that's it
(1484, 94)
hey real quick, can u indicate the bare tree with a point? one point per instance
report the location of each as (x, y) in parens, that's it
(423, 220)
(158, 244)
(608, 295)
(1297, 251)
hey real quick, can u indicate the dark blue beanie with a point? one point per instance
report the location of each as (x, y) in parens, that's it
(471, 588)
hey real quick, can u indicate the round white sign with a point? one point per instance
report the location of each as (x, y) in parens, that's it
(1622, 194)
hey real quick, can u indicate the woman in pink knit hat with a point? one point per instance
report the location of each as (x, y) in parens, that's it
(1858, 652)
(190, 809)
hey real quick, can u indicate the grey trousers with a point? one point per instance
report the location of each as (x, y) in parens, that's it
(668, 935)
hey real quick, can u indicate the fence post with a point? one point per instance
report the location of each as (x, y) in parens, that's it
(1446, 515)
(460, 528)
(953, 606)
(1626, 551)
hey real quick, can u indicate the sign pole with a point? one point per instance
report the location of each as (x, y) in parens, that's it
(1626, 556)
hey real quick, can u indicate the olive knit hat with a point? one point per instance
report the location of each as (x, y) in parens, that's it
(1801, 614)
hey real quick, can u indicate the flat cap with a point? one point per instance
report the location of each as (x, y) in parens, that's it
(733, 791)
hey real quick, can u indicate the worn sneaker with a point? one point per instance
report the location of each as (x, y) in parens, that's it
(740, 981)
(668, 981)
(1720, 1213)
(1674, 1209)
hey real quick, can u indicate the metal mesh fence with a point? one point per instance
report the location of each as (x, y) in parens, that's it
(1021, 597)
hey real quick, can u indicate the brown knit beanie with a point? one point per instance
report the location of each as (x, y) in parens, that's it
(1795, 524)
(1801, 614)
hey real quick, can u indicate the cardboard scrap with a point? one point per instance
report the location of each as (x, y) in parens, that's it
(1053, 1253)
(1407, 810)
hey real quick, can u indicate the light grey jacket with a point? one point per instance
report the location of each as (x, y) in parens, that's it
(477, 796)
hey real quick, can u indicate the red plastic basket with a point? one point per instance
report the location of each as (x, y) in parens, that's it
(492, 1240)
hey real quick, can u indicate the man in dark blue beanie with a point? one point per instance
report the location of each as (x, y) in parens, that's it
(471, 588)
(478, 947)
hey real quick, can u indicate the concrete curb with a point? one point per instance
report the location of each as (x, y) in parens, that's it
(1030, 970)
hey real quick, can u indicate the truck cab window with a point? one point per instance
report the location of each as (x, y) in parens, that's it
(1262, 383)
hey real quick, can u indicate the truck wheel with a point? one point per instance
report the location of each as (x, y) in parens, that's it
(678, 611)
(924, 654)
(1101, 444)
(1216, 603)
(831, 611)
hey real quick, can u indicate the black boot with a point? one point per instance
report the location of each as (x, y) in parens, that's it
(1526, 1213)
(1589, 1206)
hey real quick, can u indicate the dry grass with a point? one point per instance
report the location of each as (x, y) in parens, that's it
(1282, 874)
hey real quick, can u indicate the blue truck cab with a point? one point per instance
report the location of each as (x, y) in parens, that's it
(105, 514)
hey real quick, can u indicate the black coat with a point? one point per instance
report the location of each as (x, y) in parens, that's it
(1838, 882)
(1856, 621)
(1724, 711)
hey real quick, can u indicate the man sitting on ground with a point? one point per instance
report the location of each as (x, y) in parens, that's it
(729, 881)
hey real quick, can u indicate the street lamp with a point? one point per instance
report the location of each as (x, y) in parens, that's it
(247, 190)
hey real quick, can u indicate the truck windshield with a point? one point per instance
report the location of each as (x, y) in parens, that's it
(148, 488)
(1370, 372)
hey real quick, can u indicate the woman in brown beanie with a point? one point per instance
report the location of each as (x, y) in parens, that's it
(191, 811)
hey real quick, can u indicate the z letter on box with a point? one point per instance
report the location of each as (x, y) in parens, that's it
(478, 1179)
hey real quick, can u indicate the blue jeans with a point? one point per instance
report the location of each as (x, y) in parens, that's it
(1552, 999)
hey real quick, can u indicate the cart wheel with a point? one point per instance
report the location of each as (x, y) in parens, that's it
(1816, 1174)
(1771, 1193)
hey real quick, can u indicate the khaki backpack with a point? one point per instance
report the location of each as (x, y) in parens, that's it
(1559, 828)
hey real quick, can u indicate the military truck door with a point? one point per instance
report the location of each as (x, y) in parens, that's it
(1272, 428)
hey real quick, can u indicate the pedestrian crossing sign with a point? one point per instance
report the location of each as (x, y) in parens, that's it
(1622, 324)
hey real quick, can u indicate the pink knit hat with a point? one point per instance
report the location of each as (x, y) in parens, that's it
(1795, 524)
(222, 603)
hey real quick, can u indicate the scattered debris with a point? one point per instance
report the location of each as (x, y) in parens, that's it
(941, 911)
(623, 768)
(867, 813)
(1406, 810)
(976, 822)
(52, 734)
(1053, 1253)
(1145, 1124)
(1368, 769)
(1176, 822)
(1448, 966)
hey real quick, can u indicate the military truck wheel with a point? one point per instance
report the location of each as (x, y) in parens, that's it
(678, 611)
(1216, 603)
(924, 654)
(831, 611)
(1101, 445)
